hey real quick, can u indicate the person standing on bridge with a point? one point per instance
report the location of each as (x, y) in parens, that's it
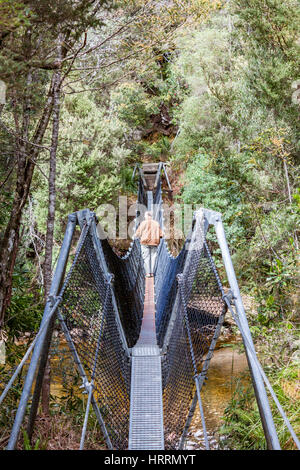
(149, 233)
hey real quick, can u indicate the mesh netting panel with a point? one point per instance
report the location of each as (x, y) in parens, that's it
(205, 304)
(201, 300)
(157, 204)
(177, 381)
(142, 194)
(166, 287)
(129, 287)
(91, 320)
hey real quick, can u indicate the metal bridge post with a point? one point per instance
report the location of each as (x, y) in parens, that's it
(56, 282)
(259, 389)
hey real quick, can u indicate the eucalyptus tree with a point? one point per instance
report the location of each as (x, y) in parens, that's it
(39, 44)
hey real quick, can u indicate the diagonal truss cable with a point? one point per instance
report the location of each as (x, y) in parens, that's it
(265, 378)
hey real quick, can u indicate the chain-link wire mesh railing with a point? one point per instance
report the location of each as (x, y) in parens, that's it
(129, 287)
(88, 313)
(204, 304)
(167, 268)
(196, 311)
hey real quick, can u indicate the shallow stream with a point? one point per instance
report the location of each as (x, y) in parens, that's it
(225, 368)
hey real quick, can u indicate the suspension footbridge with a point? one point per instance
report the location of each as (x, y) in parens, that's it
(142, 346)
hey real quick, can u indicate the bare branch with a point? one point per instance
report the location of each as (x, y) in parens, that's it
(17, 136)
(116, 33)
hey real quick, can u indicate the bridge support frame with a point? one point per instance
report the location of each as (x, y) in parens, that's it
(215, 218)
(41, 347)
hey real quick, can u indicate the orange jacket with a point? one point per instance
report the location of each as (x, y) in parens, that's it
(149, 232)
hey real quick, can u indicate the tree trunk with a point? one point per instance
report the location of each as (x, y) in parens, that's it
(51, 220)
(26, 154)
(52, 187)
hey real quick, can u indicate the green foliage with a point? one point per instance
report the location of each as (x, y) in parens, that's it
(25, 311)
(13, 14)
(237, 145)
(128, 184)
(157, 151)
(206, 186)
(238, 141)
(227, 87)
(242, 429)
(132, 104)
(91, 154)
(28, 445)
(273, 44)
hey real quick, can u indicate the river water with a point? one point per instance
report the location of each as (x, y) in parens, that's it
(225, 368)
